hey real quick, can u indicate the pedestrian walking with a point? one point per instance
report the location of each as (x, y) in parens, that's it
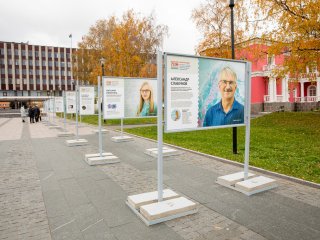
(36, 113)
(23, 113)
(31, 114)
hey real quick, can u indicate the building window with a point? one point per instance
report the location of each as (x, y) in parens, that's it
(17, 62)
(30, 72)
(16, 52)
(44, 72)
(30, 53)
(312, 91)
(69, 74)
(37, 72)
(38, 81)
(271, 60)
(44, 63)
(30, 62)
(50, 63)
(69, 64)
(3, 71)
(24, 53)
(10, 61)
(37, 53)
(57, 73)
(62, 72)
(56, 55)
(9, 51)
(17, 71)
(5, 94)
(50, 72)
(38, 93)
(43, 54)
(62, 64)
(24, 71)
(2, 51)
(24, 62)
(9, 71)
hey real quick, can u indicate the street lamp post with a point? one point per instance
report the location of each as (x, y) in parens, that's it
(102, 62)
(234, 129)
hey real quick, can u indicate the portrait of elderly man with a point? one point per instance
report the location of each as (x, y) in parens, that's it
(228, 111)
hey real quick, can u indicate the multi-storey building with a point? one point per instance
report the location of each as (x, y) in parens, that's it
(271, 93)
(34, 70)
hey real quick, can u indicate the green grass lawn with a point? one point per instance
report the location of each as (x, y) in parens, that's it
(93, 119)
(287, 143)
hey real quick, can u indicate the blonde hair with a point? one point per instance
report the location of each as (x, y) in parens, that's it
(151, 109)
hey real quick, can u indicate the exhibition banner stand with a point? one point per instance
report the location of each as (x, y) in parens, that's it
(163, 204)
(78, 141)
(101, 157)
(114, 103)
(65, 132)
(45, 110)
(57, 107)
(208, 93)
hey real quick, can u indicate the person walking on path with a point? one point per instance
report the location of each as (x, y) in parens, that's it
(36, 113)
(31, 114)
(23, 113)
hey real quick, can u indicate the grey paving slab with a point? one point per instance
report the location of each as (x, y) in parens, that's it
(138, 231)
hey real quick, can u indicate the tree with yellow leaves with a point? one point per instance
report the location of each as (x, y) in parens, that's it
(213, 19)
(128, 46)
(295, 32)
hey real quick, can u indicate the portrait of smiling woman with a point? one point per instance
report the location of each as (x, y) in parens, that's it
(146, 105)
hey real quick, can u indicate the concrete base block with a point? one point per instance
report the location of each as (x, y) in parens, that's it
(167, 208)
(54, 127)
(103, 131)
(122, 139)
(231, 179)
(90, 155)
(166, 152)
(150, 197)
(65, 134)
(102, 160)
(77, 142)
(255, 185)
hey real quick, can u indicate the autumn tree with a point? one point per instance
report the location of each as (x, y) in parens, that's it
(128, 46)
(213, 20)
(295, 32)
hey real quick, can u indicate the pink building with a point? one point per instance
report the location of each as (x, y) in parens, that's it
(269, 93)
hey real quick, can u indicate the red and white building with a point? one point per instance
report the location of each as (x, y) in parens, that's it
(270, 93)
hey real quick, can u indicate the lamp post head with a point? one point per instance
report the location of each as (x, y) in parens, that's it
(102, 61)
(231, 3)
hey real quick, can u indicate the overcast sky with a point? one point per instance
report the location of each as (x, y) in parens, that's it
(49, 22)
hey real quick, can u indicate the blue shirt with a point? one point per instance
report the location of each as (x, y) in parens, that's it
(215, 115)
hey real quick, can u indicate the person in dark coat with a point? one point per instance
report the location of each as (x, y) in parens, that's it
(31, 114)
(36, 113)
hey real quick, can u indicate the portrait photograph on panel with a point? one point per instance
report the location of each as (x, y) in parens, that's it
(221, 92)
(140, 98)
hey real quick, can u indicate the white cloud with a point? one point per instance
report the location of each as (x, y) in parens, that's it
(49, 22)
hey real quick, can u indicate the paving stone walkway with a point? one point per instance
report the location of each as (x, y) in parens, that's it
(47, 191)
